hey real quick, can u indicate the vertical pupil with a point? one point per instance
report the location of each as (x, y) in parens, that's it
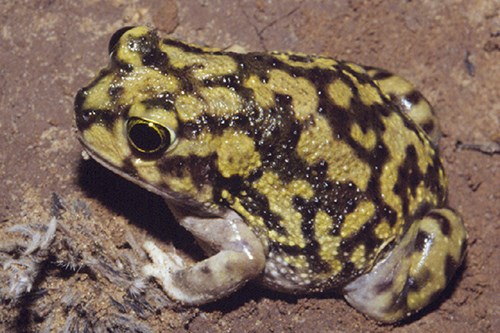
(146, 137)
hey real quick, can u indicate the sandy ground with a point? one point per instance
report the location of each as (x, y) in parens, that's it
(84, 275)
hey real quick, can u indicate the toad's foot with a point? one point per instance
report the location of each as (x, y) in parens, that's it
(163, 267)
(414, 272)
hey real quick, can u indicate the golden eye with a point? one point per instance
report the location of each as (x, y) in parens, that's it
(148, 137)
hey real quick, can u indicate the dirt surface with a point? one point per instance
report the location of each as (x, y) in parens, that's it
(84, 274)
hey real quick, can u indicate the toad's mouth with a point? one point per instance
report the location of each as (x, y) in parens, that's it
(175, 201)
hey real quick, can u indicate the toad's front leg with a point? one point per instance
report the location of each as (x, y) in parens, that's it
(239, 257)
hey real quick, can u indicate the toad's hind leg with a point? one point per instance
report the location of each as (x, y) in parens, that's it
(414, 272)
(408, 99)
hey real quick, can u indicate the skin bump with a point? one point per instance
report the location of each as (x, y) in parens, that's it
(236, 154)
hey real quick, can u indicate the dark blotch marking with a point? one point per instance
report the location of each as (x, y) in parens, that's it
(409, 177)
(415, 176)
(205, 269)
(234, 184)
(129, 168)
(428, 126)
(397, 301)
(421, 211)
(380, 74)
(165, 101)
(450, 267)
(420, 241)
(433, 181)
(257, 204)
(86, 118)
(185, 47)
(147, 47)
(227, 81)
(411, 284)
(276, 133)
(115, 92)
(202, 169)
(443, 222)
(308, 211)
(414, 97)
(283, 248)
(299, 58)
(418, 282)
(154, 58)
(384, 286)
(81, 119)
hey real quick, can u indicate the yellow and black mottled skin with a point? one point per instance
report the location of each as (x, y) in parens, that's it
(327, 170)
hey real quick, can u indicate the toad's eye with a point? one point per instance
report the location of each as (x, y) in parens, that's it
(148, 137)
(116, 37)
